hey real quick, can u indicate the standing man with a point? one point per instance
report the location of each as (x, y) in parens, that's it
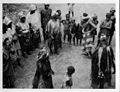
(60, 29)
(67, 27)
(78, 34)
(113, 19)
(94, 31)
(45, 17)
(53, 31)
(34, 20)
(105, 27)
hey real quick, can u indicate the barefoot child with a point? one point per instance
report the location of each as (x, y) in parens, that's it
(67, 83)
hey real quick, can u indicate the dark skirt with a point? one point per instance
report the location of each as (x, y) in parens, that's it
(45, 82)
(8, 74)
(106, 62)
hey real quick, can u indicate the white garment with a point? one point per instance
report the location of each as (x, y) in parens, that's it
(24, 26)
(9, 34)
(35, 20)
(6, 20)
(53, 26)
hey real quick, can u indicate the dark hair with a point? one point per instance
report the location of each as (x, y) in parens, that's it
(108, 15)
(85, 14)
(58, 11)
(70, 70)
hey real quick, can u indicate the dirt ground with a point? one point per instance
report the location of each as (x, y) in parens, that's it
(69, 55)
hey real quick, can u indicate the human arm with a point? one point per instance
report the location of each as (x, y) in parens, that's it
(92, 24)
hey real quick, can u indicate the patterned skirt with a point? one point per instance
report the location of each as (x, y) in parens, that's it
(87, 40)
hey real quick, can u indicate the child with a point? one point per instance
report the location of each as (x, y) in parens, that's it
(67, 83)
(71, 9)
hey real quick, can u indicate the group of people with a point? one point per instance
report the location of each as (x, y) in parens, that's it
(103, 57)
(48, 27)
(19, 39)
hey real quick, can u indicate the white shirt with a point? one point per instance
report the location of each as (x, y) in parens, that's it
(34, 19)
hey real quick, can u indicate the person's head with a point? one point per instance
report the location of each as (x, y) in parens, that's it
(33, 8)
(7, 21)
(42, 56)
(103, 40)
(94, 17)
(46, 6)
(85, 14)
(108, 16)
(63, 21)
(112, 11)
(22, 17)
(43, 52)
(73, 20)
(85, 17)
(73, 4)
(67, 16)
(68, 4)
(59, 12)
(54, 15)
(103, 37)
(70, 70)
(6, 43)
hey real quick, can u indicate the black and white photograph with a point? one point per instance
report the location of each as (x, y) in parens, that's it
(59, 45)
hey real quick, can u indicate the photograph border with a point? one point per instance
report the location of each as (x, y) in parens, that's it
(117, 78)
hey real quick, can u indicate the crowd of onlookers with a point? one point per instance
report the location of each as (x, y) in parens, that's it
(45, 27)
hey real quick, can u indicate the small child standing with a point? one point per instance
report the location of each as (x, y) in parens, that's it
(71, 9)
(68, 83)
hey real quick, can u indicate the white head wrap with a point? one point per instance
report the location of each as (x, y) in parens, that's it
(33, 7)
(7, 20)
